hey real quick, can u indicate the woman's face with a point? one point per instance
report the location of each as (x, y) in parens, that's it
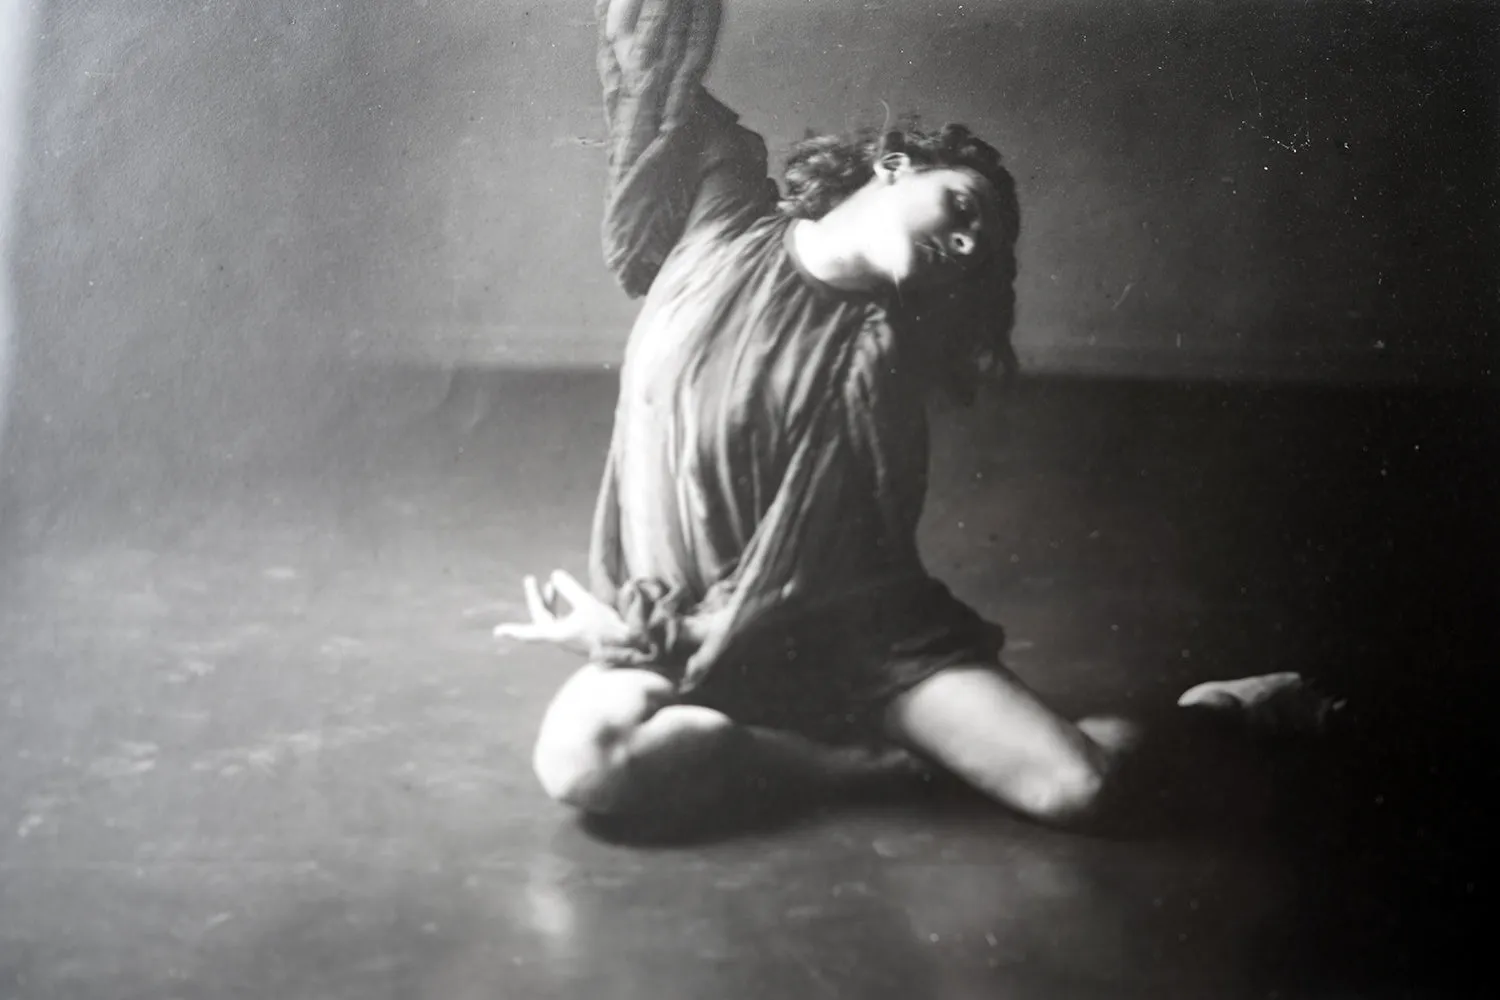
(925, 227)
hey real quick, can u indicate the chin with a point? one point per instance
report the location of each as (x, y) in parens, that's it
(918, 278)
(901, 269)
(893, 258)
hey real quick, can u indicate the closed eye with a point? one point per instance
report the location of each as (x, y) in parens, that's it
(962, 208)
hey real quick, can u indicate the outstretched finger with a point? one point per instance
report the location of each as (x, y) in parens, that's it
(576, 593)
(535, 605)
(524, 633)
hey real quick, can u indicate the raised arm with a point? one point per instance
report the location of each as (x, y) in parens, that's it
(653, 55)
(677, 157)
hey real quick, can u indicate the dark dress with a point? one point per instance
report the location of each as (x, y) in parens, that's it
(769, 459)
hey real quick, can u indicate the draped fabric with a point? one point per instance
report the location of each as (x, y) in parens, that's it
(768, 466)
(666, 133)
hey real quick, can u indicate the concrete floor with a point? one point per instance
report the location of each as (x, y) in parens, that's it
(257, 742)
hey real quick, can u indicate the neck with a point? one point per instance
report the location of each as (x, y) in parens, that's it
(830, 256)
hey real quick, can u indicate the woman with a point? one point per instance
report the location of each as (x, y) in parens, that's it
(758, 601)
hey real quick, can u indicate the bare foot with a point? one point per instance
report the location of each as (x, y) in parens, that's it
(1280, 702)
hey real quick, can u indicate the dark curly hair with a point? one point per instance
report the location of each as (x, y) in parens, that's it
(965, 328)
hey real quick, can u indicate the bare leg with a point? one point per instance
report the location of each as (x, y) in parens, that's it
(983, 724)
(990, 730)
(613, 744)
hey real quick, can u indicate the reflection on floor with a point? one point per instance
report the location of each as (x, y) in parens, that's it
(257, 742)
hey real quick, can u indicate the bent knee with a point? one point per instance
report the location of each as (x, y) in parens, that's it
(595, 712)
(609, 763)
(574, 773)
(582, 762)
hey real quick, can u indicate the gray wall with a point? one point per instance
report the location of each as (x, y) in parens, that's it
(229, 211)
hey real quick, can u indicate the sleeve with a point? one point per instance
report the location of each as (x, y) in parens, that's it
(678, 158)
(663, 626)
(606, 558)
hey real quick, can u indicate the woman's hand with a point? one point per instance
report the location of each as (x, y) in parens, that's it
(589, 624)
